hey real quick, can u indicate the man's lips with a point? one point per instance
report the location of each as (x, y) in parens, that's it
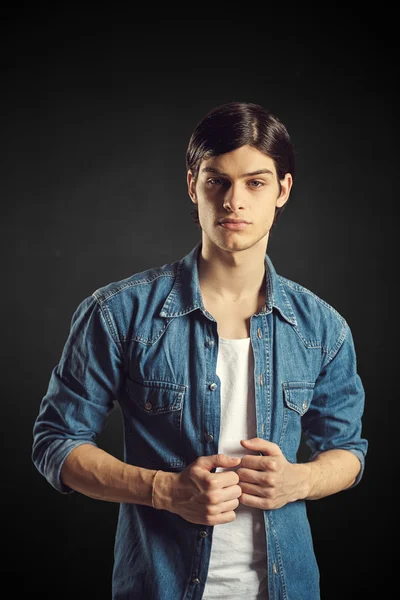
(233, 224)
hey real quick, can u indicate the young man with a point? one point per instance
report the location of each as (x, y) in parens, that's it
(219, 365)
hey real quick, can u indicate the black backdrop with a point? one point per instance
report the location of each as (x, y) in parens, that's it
(95, 123)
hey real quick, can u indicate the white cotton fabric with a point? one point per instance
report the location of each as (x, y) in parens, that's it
(238, 563)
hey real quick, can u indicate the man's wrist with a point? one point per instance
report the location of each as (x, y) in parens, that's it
(162, 490)
(305, 480)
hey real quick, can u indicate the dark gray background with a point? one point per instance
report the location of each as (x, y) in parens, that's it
(95, 122)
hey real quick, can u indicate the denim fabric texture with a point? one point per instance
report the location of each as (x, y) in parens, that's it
(148, 343)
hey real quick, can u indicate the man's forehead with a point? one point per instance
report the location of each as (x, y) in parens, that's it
(245, 160)
(244, 153)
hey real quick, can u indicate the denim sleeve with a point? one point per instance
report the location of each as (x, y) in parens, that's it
(81, 392)
(334, 419)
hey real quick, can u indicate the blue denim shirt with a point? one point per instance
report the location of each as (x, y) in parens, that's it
(148, 343)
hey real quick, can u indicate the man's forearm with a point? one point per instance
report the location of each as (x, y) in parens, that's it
(99, 475)
(330, 472)
(197, 494)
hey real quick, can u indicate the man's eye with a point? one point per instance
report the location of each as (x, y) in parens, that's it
(255, 183)
(215, 181)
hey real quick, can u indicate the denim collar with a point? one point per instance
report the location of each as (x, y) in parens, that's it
(185, 295)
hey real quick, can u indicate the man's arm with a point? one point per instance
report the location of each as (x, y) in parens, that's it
(196, 494)
(330, 472)
(270, 481)
(81, 393)
(93, 472)
(332, 425)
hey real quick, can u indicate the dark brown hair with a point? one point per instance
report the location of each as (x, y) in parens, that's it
(235, 124)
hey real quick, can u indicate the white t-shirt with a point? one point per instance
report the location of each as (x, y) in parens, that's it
(238, 563)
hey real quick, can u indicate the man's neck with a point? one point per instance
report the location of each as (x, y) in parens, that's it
(232, 277)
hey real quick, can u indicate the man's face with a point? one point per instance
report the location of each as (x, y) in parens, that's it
(240, 185)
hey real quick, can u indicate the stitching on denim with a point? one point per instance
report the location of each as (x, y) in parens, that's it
(302, 385)
(269, 287)
(284, 426)
(292, 317)
(181, 423)
(105, 314)
(289, 393)
(312, 344)
(184, 311)
(158, 384)
(189, 580)
(148, 341)
(279, 559)
(104, 296)
(287, 387)
(171, 296)
(342, 337)
(268, 377)
(330, 352)
(299, 288)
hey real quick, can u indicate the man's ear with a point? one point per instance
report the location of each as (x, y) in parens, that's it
(286, 185)
(191, 183)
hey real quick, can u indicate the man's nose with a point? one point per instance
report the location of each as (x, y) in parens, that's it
(233, 198)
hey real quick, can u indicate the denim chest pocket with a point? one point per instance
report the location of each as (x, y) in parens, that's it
(155, 422)
(297, 397)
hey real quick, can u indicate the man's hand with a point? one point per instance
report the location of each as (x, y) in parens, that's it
(198, 495)
(269, 481)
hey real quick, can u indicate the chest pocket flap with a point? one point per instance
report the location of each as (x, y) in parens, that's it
(298, 395)
(156, 397)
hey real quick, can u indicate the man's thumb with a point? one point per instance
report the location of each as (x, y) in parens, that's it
(218, 460)
(262, 446)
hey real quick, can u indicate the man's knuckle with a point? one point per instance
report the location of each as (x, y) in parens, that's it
(210, 510)
(211, 484)
(212, 497)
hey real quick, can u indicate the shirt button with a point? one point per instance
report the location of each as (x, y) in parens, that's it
(196, 580)
(259, 333)
(147, 405)
(209, 437)
(203, 534)
(210, 343)
(213, 386)
(304, 405)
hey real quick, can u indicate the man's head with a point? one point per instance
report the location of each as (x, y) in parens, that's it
(231, 142)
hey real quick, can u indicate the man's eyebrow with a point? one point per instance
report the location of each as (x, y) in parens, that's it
(218, 172)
